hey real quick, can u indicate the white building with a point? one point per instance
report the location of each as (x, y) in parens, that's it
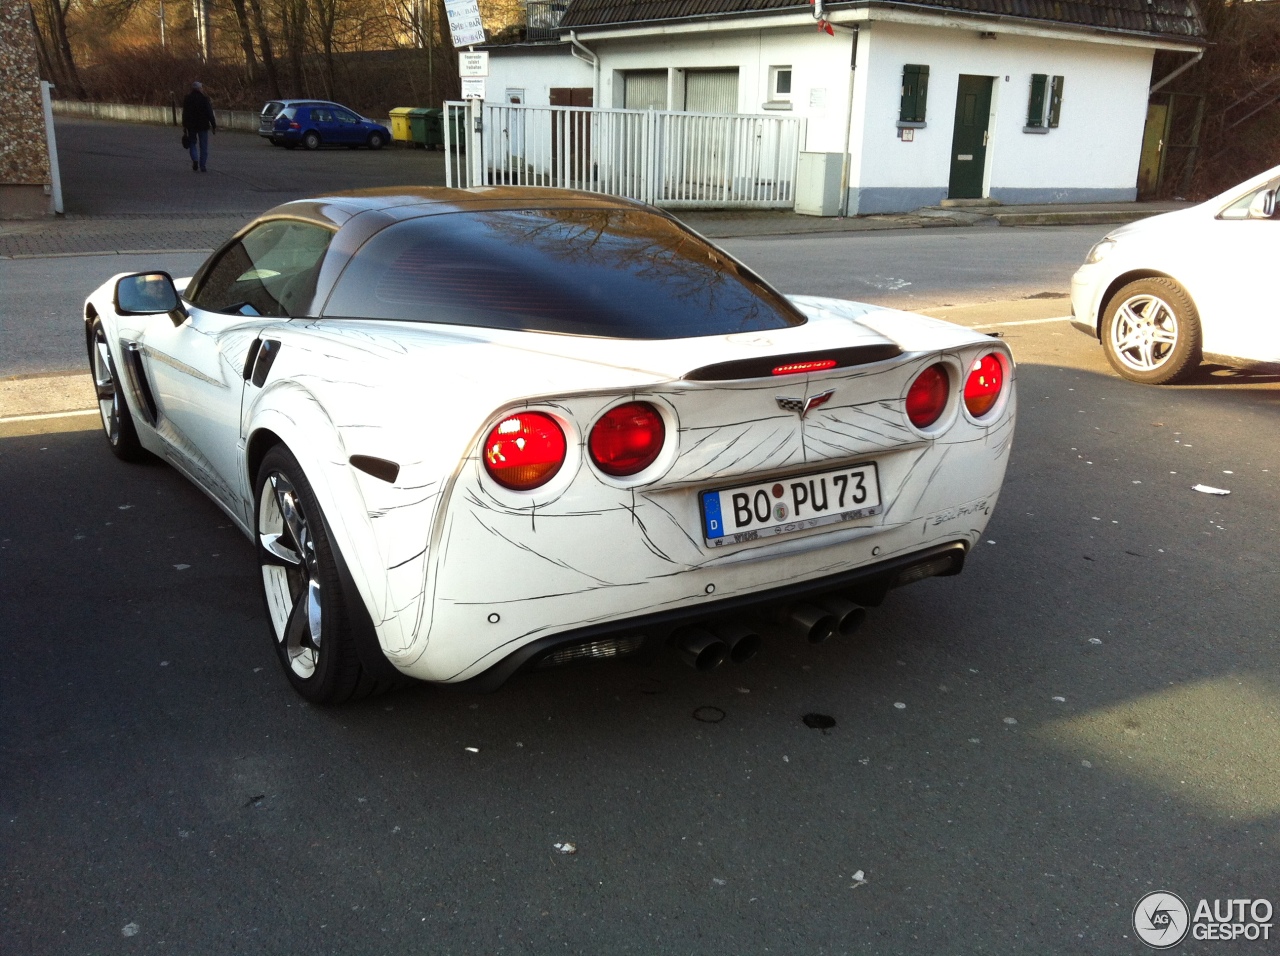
(954, 98)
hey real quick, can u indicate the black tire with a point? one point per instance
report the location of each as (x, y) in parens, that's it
(306, 608)
(117, 420)
(311, 139)
(1151, 332)
(376, 141)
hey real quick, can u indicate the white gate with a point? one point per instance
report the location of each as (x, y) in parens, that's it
(672, 159)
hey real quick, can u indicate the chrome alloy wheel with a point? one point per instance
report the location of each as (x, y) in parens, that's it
(1144, 333)
(290, 573)
(105, 384)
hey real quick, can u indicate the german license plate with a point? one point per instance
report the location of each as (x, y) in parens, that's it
(785, 505)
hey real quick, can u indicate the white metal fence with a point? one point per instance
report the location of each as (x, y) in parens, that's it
(664, 158)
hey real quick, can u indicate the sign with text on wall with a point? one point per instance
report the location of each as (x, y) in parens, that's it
(473, 87)
(464, 22)
(473, 63)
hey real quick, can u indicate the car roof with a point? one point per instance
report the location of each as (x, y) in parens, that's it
(408, 202)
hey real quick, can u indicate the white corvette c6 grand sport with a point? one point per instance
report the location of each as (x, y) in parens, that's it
(472, 432)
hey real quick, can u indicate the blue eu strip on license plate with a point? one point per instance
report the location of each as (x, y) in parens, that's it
(786, 505)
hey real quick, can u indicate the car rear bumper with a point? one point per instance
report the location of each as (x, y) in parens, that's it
(867, 585)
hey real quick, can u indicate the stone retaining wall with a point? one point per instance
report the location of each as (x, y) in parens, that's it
(156, 115)
(24, 153)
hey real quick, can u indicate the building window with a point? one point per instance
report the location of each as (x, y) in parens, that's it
(915, 92)
(1044, 106)
(780, 84)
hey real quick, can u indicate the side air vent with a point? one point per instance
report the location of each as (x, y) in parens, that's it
(141, 387)
(771, 365)
(266, 357)
(388, 471)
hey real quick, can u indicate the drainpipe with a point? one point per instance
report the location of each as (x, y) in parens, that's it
(1178, 72)
(582, 53)
(848, 124)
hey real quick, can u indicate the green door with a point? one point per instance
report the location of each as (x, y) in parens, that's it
(1153, 137)
(969, 140)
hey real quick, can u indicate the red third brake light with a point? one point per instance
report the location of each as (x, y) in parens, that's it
(986, 378)
(927, 396)
(524, 451)
(794, 368)
(627, 439)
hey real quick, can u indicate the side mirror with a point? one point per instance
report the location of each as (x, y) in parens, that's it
(149, 293)
(1263, 205)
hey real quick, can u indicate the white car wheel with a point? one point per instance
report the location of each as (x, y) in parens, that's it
(1151, 332)
(117, 421)
(300, 583)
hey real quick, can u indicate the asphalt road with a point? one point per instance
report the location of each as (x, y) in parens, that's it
(112, 169)
(1090, 712)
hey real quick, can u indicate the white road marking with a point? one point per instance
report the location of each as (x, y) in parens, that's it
(1001, 325)
(46, 415)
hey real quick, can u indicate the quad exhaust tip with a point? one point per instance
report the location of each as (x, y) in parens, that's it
(826, 617)
(705, 649)
(700, 648)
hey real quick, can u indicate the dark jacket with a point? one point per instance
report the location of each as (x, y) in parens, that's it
(197, 112)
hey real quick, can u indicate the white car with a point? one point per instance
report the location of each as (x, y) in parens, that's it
(477, 431)
(1166, 292)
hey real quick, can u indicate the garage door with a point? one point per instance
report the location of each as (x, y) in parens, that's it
(711, 91)
(645, 90)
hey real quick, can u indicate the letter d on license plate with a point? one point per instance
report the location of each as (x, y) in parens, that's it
(785, 505)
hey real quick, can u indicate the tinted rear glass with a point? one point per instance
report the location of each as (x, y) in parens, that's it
(271, 109)
(617, 273)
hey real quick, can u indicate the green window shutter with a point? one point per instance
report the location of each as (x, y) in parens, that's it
(915, 91)
(1055, 102)
(1035, 106)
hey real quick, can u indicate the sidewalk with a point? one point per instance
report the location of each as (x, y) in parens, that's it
(185, 232)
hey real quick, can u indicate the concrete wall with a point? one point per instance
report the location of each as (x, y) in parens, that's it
(536, 71)
(1092, 156)
(24, 156)
(158, 115)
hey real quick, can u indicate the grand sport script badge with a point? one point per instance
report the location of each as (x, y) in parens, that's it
(803, 406)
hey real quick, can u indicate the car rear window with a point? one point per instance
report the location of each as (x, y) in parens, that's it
(617, 273)
(271, 109)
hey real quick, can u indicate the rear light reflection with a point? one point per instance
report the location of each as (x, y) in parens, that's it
(627, 439)
(524, 451)
(983, 386)
(927, 397)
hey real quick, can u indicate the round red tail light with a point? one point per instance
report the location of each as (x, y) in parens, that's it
(982, 388)
(524, 451)
(927, 396)
(627, 439)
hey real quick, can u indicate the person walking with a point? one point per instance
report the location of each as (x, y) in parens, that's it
(198, 121)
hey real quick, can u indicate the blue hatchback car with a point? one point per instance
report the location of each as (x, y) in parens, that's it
(313, 125)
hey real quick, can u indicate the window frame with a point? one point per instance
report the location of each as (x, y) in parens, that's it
(775, 75)
(913, 96)
(200, 280)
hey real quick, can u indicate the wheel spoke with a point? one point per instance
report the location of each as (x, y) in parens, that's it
(315, 618)
(1132, 339)
(1146, 358)
(272, 545)
(287, 502)
(295, 631)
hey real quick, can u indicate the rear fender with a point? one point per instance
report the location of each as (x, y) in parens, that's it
(295, 417)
